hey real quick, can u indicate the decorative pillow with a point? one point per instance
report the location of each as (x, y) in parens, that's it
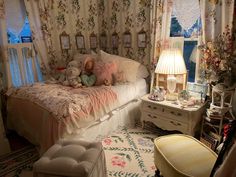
(104, 72)
(106, 57)
(81, 57)
(130, 70)
(128, 67)
(142, 72)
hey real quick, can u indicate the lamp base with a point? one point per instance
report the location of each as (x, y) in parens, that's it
(171, 96)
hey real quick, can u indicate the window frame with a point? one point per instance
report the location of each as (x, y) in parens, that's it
(197, 39)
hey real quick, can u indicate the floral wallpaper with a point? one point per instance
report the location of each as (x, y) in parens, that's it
(97, 18)
(2, 13)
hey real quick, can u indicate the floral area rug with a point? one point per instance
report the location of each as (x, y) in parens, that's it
(18, 163)
(129, 153)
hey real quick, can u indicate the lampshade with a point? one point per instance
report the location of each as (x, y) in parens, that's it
(171, 61)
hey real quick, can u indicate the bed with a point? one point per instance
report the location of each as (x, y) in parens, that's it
(38, 122)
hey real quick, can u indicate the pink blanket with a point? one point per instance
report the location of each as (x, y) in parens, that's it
(70, 109)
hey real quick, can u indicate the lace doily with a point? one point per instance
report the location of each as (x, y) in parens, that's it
(186, 12)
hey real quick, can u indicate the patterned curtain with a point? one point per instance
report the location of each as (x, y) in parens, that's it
(2, 12)
(32, 8)
(234, 38)
(217, 26)
(216, 16)
(160, 18)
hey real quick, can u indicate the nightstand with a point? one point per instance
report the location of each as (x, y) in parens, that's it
(169, 116)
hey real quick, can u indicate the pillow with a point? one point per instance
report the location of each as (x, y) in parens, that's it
(104, 72)
(128, 67)
(80, 57)
(106, 57)
(142, 72)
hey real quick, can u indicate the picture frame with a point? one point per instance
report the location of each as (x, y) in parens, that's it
(142, 39)
(199, 91)
(127, 39)
(79, 41)
(115, 40)
(93, 41)
(103, 40)
(65, 41)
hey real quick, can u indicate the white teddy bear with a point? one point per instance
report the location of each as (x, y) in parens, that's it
(72, 75)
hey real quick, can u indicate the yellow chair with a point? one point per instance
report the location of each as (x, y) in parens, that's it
(181, 155)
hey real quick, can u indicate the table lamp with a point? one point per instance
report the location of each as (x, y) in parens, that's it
(171, 62)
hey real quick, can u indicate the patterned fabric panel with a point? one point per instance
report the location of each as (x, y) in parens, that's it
(186, 154)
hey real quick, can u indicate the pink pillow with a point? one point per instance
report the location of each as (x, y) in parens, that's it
(104, 71)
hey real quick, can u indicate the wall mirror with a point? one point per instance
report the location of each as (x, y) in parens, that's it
(127, 40)
(65, 41)
(79, 41)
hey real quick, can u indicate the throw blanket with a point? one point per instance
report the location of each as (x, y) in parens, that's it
(77, 108)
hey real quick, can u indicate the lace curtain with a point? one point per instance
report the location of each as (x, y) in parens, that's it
(27, 74)
(14, 68)
(186, 12)
(15, 15)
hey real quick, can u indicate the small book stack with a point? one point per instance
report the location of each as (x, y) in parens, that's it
(210, 139)
(213, 124)
(214, 114)
(213, 117)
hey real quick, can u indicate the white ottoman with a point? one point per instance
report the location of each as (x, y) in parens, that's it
(72, 158)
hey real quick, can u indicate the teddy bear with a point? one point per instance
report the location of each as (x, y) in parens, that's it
(72, 75)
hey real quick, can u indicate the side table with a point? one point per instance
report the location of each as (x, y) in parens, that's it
(169, 116)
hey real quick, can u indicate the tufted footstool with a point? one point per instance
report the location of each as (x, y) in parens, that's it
(72, 158)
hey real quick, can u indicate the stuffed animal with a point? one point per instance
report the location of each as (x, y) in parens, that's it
(72, 75)
(87, 77)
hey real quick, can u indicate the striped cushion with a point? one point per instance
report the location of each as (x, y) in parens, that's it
(183, 155)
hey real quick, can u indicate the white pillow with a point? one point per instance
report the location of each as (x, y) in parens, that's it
(128, 67)
(142, 72)
(80, 57)
(106, 57)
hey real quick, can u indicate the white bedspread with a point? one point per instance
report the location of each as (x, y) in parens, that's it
(129, 91)
(40, 127)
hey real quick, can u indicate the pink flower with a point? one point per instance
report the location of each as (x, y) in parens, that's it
(107, 141)
(118, 161)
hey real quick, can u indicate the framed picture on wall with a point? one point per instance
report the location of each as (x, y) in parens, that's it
(142, 39)
(103, 40)
(93, 41)
(127, 40)
(65, 41)
(115, 40)
(79, 41)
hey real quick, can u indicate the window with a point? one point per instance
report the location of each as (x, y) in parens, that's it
(190, 37)
(23, 36)
(23, 61)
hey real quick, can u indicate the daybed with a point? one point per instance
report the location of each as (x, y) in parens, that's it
(44, 113)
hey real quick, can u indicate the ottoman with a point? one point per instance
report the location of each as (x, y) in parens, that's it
(183, 156)
(72, 158)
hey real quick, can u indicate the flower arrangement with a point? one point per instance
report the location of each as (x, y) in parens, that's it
(217, 59)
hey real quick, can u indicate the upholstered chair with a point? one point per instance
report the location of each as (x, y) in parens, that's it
(179, 155)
